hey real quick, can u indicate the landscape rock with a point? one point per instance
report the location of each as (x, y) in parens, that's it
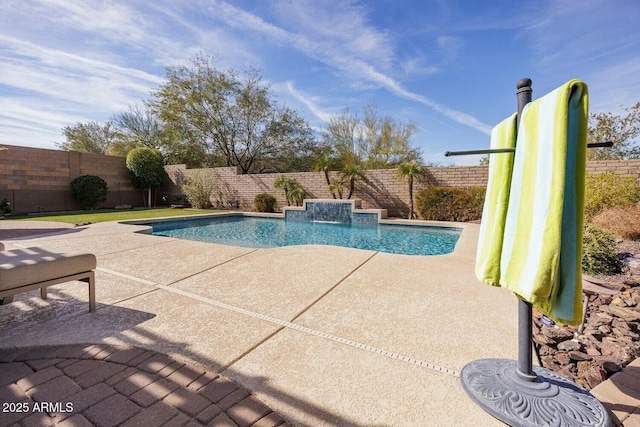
(627, 314)
(569, 346)
(556, 333)
(592, 373)
(605, 344)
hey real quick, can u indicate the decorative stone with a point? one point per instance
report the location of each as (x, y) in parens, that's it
(601, 319)
(592, 372)
(556, 333)
(620, 324)
(545, 350)
(607, 341)
(624, 313)
(562, 358)
(604, 329)
(579, 356)
(543, 339)
(593, 352)
(569, 346)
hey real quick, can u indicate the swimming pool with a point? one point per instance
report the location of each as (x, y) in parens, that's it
(258, 232)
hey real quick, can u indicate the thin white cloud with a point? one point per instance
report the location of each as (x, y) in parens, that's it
(72, 78)
(321, 114)
(336, 56)
(338, 25)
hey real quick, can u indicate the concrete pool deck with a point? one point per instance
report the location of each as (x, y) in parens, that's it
(322, 335)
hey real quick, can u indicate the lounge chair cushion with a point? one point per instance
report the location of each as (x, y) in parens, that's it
(21, 267)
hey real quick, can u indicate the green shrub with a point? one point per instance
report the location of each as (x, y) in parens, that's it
(294, 192)
(5, 206)
(89, 190)
(609, 190)
(599, 254)
(450, 203)
(198, 187)
(264, 202)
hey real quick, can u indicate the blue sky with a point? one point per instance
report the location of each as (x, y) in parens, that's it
(450, 66)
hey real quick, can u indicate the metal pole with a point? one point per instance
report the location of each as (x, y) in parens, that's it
(525, 313)
(512, 150)
(520, 394)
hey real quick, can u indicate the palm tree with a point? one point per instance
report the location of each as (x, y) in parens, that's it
(336, 186)
(323, 164)
(296, 192)
(293, 190)
(283, 183)
(351, 173)
(410, 171)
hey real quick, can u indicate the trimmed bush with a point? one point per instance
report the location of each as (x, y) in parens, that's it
(264, 202)
(450, 203)
(198, 187)
(609, 190)
(599, 253)
(89, 190)
(625, 222)
(5, 206)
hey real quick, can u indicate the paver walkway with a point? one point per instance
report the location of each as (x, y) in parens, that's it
(620, 394)
(106, 385)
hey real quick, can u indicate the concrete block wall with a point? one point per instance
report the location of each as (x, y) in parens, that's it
(38, 180)
(35, 180)
(383, 188)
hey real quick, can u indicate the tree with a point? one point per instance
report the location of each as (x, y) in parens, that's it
(139, 127)
(232, 117)
(374, 141)
(410, 171)
(90, 137)
(293, 190)
(622, 130)
(146, 166)
(350, 173)
(324, 164)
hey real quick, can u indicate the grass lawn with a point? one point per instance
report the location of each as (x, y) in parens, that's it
(83, 217)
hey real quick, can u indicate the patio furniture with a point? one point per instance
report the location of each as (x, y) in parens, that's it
(23, 270)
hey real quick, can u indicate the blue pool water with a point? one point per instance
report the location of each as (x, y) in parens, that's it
(255, 232)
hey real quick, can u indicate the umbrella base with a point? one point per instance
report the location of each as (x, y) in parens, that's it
(550, 399)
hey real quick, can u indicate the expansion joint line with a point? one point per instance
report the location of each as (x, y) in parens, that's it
(289, 325)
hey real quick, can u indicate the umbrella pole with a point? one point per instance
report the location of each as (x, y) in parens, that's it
(517, 393)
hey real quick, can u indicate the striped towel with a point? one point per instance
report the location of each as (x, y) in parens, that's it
(494, 212)
(542, 247)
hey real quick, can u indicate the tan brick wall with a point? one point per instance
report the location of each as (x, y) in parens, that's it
(383, 189)
(35, 180)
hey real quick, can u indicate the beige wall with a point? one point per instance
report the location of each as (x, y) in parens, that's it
(35, 180)
(383, 190)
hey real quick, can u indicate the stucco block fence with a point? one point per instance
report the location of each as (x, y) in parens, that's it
(382, 188)
(38, 180)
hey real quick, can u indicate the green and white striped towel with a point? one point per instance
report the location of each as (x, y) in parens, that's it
(541, 259)
(494, 212)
